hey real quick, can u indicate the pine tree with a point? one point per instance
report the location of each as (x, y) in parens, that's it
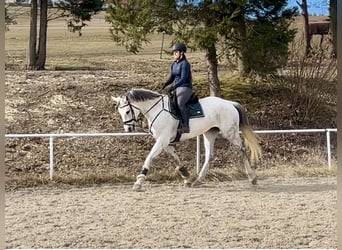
(201, 25)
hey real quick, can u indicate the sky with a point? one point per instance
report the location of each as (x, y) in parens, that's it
(315, 7)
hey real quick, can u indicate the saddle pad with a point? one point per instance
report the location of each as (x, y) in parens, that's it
(195, 110)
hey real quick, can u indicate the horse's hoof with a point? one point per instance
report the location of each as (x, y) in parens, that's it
(254, 181)
(187, 184)
(197, 183)
(137, 187)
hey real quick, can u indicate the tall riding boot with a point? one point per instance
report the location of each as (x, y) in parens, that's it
(185, 121)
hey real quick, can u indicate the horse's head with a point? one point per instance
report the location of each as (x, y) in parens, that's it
(128, 112)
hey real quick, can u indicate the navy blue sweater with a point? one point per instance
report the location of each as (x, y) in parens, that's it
(181, 74)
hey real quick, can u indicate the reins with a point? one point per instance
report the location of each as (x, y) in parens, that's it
(155, 118)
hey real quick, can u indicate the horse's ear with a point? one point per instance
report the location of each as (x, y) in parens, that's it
(116, 99)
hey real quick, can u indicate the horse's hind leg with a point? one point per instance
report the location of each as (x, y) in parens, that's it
(235, 139)
(250, 173)
(209, 141)
(181, 170)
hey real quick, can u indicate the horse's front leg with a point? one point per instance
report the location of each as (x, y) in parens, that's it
(181, 169)
(156, 150)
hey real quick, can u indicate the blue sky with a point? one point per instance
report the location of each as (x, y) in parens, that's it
(315, 7)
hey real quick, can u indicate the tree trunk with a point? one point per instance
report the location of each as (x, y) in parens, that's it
(333, 25)
(214, 83)
(306, 28)
(307, 36)
(243, 66)
(33, 36)
(40, 63)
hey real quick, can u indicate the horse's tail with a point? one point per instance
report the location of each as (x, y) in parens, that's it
(250, 138)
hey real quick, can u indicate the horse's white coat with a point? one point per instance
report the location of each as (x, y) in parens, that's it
(219, 113)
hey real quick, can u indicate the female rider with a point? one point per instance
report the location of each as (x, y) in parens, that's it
(181, 75)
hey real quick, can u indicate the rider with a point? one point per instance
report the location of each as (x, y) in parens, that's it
(181, 75)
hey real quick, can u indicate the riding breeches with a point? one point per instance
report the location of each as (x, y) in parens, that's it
(183, 95)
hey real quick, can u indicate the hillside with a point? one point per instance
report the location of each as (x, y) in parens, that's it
(79, 102)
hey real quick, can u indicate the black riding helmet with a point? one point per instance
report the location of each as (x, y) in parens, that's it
(179, 47)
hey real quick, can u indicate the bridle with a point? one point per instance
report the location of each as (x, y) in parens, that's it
(135, 119)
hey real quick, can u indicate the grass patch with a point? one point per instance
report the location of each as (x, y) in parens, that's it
(84, 180)
(169, 175)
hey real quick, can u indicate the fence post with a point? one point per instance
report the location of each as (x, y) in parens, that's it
(328, 148)
(162, 45)
(51, 156)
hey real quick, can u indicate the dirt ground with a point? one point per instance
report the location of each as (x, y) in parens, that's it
(277, 213)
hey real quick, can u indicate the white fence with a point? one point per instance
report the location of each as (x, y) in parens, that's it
(52, 136)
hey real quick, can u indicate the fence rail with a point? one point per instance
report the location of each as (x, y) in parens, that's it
(54, 135)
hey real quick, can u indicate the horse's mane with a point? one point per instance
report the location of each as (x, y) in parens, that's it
(140, 95)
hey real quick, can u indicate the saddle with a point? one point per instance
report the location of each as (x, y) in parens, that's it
(193, 106)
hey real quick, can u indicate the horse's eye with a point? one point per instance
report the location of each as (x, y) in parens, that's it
(127, 112)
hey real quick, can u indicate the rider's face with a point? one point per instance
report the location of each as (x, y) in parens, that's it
(177, 54)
